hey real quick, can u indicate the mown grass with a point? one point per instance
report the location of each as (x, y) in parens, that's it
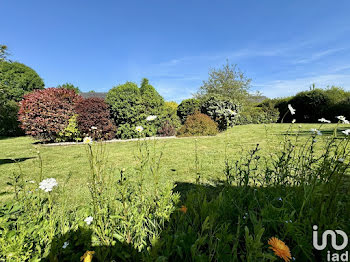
(178, 162)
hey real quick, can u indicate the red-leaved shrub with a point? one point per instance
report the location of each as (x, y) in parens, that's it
(45, 113)
(93, 112)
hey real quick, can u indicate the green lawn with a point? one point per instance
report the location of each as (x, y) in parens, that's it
(177, 165)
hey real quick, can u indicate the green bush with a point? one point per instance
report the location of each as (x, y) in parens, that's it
(188, 107)
(257, 115)
(151, 100)
(16, 80)
(222, 111)
(71, 131)
(198, 125)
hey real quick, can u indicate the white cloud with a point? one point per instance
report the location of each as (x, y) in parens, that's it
(318, 55)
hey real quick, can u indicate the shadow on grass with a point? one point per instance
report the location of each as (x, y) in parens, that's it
(14, 160)
(325, 132)
(179, 239)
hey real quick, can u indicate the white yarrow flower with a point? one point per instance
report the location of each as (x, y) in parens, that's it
(151, 118)
(139, 129)
(87, 140)
(323, 120)
(89, 220)
(346, 121)
(291, 109)
(346, 132)
(48, 184)
(65, 245)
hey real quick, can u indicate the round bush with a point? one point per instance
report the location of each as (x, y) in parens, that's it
(198, 125)
(94, 112)
(45, 113)
(188, 107)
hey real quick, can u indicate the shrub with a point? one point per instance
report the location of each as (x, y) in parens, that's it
(187, 107)
(257, 115)
(198, 125)
(70, 87)
(94, 112)
(221, 111)
(70, 132)
(17, 79)
(45, 113)
(152, 101)
(167, 129)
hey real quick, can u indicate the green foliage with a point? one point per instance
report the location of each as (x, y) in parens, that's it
(17, 79)
(3, 52)
(257, 115)
(222, 111)
(188, 107)
(198, 125)
(9, 125)
(70, 86)
(71, 131)
(152, 102)
(227, 82)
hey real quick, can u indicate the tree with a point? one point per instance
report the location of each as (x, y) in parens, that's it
(152, 101)
(227, 82)
(188, 107)
(3, 52)
(70, 86)
(17, 79)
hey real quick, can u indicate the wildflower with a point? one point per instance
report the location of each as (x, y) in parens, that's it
(346, 122)
(315, 131)
(183, 209)
(87, 140)
(65, 245)
(88, 220)
(151, 118)
(280, 199)
(293, 121)
(48, 184)
(280, 248)
(341, 160)
(323, 120)
(341, 118)
(93, 128)
(346, 132)
(291, 109)
(139, 129)
(87, 257)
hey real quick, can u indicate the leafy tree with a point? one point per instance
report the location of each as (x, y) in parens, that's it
(125, 103)
(3, 52)
(70, 86)
(152, 101)
(198, 125)
(17, 79)
(188, 107)
(226, 82)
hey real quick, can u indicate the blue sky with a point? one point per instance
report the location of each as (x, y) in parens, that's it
(284, 46)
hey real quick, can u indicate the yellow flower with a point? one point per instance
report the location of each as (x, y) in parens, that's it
(280, 248)
(87, 257)
(183, 209)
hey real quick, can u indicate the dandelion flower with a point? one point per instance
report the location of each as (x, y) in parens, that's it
(48, 184)
(183, 209)
(65, 245)
(87, 257)
(291, 109)
(346, 132)
(151, 118)
(89, 220)
(280, 248)
(323, 120)
(139, 129)
(87, 140)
